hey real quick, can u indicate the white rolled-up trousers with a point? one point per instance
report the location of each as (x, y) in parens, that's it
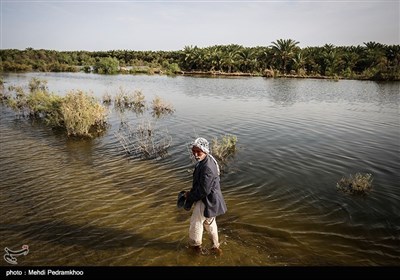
(198, 222)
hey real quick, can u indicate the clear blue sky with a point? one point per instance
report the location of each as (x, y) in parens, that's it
(172, 25)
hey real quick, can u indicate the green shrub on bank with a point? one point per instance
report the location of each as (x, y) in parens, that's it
(106, 65)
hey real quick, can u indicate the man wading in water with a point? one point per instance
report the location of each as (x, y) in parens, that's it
(205, 196)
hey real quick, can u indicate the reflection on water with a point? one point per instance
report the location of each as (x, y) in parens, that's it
(83, 202)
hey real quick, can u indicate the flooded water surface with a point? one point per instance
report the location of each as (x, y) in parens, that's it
(86, 203)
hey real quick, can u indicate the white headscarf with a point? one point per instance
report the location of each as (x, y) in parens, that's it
(203, 144)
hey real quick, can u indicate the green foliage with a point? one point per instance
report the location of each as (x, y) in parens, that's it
(373, 61)
(87, 68)
(37, 104)
(45, 105)
(357, 184)
(171, 68)
(107, 65)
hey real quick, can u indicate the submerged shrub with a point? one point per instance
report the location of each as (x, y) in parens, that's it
(36, 104)
(36, 84)
(123, 99)
(139, 102)
(357, 184)
(130, 100)
(161, 107)
(45, 105)
(83, 115)
(16, 99)
(144, 141)
(107, 98)
(78, 112)
(3, 96)
(223, 149)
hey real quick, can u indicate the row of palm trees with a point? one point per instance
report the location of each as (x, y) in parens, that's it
(373, 60)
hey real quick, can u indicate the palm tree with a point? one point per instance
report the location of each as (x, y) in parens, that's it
(299, 63)
(215, 58)
(284, 51)
(228, 60)
(247, 59)
(191, 58)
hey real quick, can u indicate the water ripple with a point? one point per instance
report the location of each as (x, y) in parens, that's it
(87, 203)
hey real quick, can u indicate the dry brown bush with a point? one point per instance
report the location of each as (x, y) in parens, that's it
(355, 184)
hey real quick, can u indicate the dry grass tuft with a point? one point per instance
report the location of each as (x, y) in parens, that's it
(161, 107)
(83, 115)
(223, 149)
(357, 184)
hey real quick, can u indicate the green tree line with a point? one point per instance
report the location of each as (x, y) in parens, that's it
(283, 57)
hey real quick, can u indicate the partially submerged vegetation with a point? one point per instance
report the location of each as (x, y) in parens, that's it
(144, 140)
(355, 184)
(78, 113)
(82, 115)
(136, 101)
(161, 107)
(126, 99)
(282, 58)
(224, 149)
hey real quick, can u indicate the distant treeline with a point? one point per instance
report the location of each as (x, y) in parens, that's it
(372, 61)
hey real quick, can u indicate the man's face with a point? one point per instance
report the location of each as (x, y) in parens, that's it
(199, 155)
